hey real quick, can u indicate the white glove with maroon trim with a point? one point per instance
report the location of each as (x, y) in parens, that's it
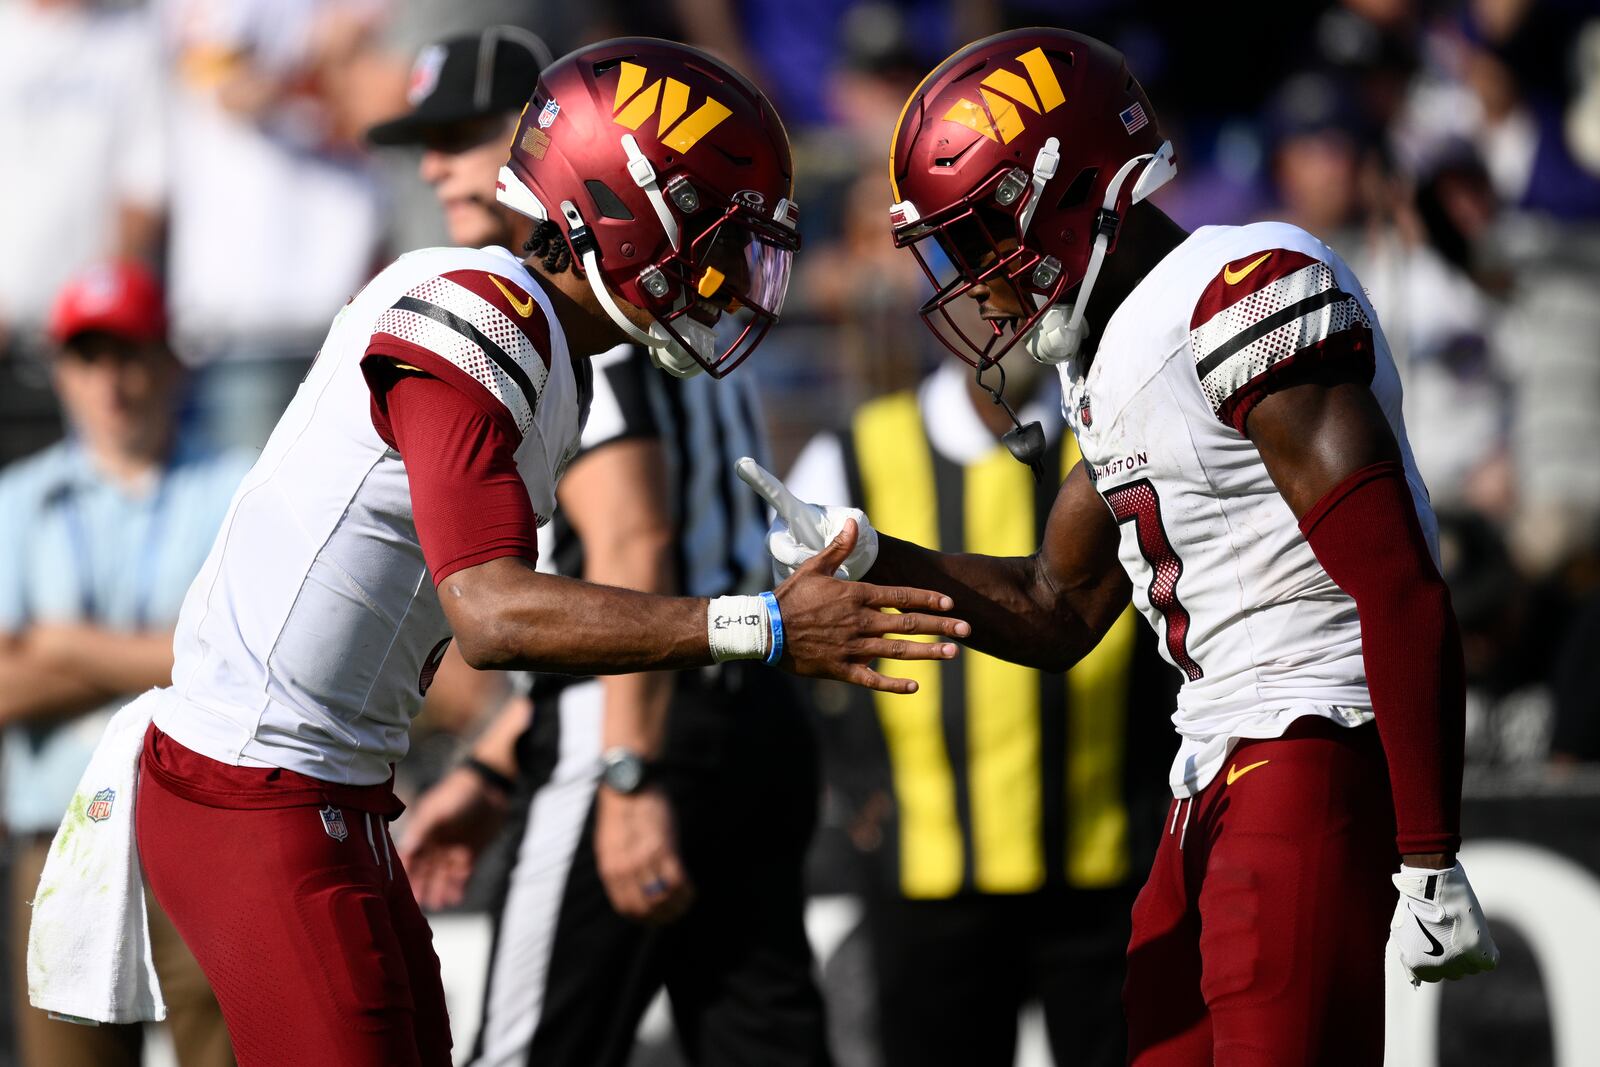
(1438, 927)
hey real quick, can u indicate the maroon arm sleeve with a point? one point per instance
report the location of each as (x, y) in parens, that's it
(467, 498)
(1366, 535)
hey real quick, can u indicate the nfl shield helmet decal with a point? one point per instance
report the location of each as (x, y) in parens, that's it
(100, 807)
(425, 74)
(333, 823)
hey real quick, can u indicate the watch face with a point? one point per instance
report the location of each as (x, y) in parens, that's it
(623, 772)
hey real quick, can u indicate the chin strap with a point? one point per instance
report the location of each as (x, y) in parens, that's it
(1058, 334)
(1044, 168)
(665, 350)
(644, 176)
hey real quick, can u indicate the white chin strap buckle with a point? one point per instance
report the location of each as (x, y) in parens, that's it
(668, 355)
(1056, 337)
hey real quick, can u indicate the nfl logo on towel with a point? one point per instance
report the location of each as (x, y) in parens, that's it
(100, 806)
(1133, 119)
(333, 823)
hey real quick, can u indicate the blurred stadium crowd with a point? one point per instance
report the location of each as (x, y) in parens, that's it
(1448, 149)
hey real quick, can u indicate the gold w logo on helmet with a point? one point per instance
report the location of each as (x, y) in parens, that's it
(996, 116)
(636, 102)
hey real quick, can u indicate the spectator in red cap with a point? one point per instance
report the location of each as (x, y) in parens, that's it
(100, 536)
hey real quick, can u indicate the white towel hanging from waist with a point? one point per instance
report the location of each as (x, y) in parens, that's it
(89, 953)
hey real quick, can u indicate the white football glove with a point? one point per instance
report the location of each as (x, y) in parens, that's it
(802, 530)
(1438, 927)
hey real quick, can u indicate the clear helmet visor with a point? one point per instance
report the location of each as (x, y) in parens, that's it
(736, 264)
(735, 278)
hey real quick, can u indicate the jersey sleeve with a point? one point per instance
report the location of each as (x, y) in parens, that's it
(481, 332)
(467, 497)
(1272, 319)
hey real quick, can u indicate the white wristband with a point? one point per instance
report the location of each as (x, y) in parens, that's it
(737, 627)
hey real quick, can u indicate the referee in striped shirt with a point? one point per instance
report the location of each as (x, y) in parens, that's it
(670, 814)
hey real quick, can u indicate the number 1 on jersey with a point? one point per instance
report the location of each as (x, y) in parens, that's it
(1137, 502)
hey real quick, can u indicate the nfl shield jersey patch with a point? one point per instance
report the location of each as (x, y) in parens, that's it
(100, 807)
(333, 823)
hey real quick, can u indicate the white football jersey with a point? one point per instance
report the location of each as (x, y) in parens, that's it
(313, 630)
(1218, 564)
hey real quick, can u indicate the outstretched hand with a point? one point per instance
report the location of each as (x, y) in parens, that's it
(835, 629)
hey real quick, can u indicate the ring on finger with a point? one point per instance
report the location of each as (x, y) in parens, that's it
(655, 887)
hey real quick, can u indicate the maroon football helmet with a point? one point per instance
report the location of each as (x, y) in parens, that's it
(1016, 159)
(669, 175)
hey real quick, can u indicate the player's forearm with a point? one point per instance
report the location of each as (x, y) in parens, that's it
(1413, 657)
(507, 616)
(1410, 644)
(1017, 613)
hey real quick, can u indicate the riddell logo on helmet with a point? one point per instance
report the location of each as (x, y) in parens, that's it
(636, 102)
(997, 117)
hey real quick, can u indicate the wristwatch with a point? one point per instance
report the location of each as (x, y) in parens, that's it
(623, 770)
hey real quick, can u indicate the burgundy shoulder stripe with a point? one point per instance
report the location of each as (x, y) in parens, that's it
(1244, 276)
(512, 300)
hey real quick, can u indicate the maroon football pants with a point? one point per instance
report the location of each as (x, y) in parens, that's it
(1258, 940)
(300, 915)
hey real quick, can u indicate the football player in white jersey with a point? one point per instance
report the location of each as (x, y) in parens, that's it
(395, 508)
(1245, 462)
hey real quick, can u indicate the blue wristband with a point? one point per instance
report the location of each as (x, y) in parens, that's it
(774, 620)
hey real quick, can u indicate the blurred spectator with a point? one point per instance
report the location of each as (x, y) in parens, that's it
(275, 216)
(1421, 255)
(1508, 641)
(100, 536)
(81, 178)
(863, 286)
(1001, 806)
(1322, 162)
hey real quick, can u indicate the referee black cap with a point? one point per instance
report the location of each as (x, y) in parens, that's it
(465, 78)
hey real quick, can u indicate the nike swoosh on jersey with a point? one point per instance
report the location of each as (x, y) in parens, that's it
(1437, 949)
(525, 307)
(1234, 277)
(1234, 773)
